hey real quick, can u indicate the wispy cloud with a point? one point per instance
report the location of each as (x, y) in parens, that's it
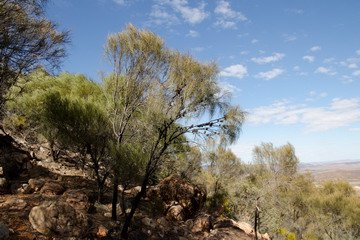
(295, 11)
(315, 48)
(357, 52)
(160, 16)
(352, 65)
(237, 71)
(356, 73)
(324, 70)
(339, 113)
(120, 2)
(347, 79)
(254, 41)
(273, 58)
(192, 15)
(309, 58)
(192, 33)
(289, 37)
(227, 88)
(226, 16)
(314, 95)
(270, 74)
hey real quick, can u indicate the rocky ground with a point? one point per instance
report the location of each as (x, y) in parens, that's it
(56, 200)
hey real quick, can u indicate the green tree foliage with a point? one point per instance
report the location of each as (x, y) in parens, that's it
(81, 125)
(27, 40)
(137, 58)
(221, 175)
(178, 89)
(69, 110)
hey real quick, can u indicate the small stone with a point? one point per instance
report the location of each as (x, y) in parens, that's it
(102, 232)
(146, 221)
(107, 214)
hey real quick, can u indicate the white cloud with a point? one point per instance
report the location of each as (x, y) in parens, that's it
(223, 9)
(329, 60)
(160, 16)
(192, 15)
(295, 11)
(289, 37)
(254, 41)
(270, 74)
(192, 33)
(273, 58)
(227, 88)
(237, 71)
(315, 48)
(347, 79)
(357, 52)
(308, 58)
(225, 24)
(324, 70)
(339, 113)
(227, 17)
(356, 73)
(314, 95)
(120, 2)
(198, 49)
(354, 129)
(352, 65)
(296, 68)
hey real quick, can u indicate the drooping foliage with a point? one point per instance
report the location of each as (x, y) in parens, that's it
(27, 39)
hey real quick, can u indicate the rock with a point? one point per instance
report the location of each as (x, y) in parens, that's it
(52, 189)
(147, 221)
(163, 222)
(36, 184)
(201, 223)
(58, 218)
(3, 185)
(15, 204)
(17, 188)
(77, 199)
(4, 232)
(247, 228)
(190, 197)
(227, 234)
(107, 214)
(176, 213)
(102, 232)
(265, 236)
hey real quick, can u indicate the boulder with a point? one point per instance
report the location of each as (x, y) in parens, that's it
(4, 232)
(36, 184)
(176, 191)
(202, 223)
(176, 212)
(77, 199)
(52, 189)
(58, 218)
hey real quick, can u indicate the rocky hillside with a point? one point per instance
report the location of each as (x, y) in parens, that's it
(43, 199)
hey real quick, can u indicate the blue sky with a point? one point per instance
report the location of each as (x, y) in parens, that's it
(294, 66)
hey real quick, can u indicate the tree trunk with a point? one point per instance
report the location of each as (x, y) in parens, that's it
(115, 196)
(134, 206)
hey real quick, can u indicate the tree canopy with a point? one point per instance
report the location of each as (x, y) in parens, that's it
(27, 40)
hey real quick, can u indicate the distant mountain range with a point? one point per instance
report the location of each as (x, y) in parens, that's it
(348, 170)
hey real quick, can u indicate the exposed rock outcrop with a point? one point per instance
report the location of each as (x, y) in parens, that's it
(58, 218)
